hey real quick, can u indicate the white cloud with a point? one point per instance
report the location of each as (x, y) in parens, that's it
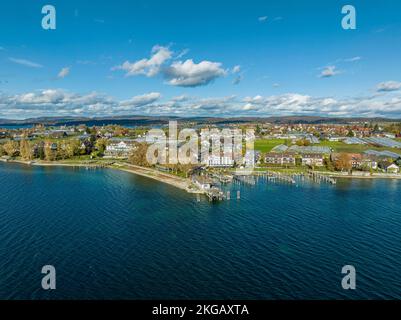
(190, 74)
(239, 77)
(262, 19)
(141, 100)
(180, 98)
(63, 73)
(56, 102)
(389, 86)
(179, 73)
(248, 106)
(25, 62)
(328, 72)
(149, 67)
(352, 59)
(236, 69)
(255, 99)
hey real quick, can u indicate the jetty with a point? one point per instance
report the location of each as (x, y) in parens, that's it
(215, 194)
(277, 177)
(245, 179)
(319, 178)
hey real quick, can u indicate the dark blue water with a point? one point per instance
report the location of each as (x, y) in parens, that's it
(114, 235)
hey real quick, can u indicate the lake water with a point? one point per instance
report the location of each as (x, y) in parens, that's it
(114, 235)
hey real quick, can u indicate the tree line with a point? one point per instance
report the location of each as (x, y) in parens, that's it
(52, 151)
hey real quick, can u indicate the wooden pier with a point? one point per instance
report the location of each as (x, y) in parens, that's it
(245, 179)
(319, 178)
(277, 177)
(215, 194)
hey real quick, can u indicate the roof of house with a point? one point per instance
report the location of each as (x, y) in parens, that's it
(385, 164)
(312, 155)
(279, 155)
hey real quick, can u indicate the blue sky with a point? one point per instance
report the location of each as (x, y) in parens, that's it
(218, 57)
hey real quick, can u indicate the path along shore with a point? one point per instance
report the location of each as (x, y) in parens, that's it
(178, 182)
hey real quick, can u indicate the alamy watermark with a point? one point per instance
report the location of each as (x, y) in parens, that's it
(49, 280)
(349, 280)
(349, 20)
(49, 20)
(212, 147)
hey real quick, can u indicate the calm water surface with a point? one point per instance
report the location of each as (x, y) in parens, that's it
(113, 235)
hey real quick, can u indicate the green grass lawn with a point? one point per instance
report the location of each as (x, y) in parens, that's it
(266, 145)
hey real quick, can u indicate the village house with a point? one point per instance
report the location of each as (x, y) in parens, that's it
(393, 168)
(312, 159)
(370, 162)
(4, 134)
(219, 161)
(119, 149)
(108, 135)
(389, 167)
(54, 133)
(280, 158)
(356, 160)
(22, 136)
(273, 158)
(53, 146)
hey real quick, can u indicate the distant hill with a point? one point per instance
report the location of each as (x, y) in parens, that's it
(148, 120)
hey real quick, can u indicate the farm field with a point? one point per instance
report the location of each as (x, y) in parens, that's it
(266, 145)
(338, 146)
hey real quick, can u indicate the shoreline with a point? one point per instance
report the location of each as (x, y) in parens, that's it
(350, 176)
(374, 176)
(180, 183)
